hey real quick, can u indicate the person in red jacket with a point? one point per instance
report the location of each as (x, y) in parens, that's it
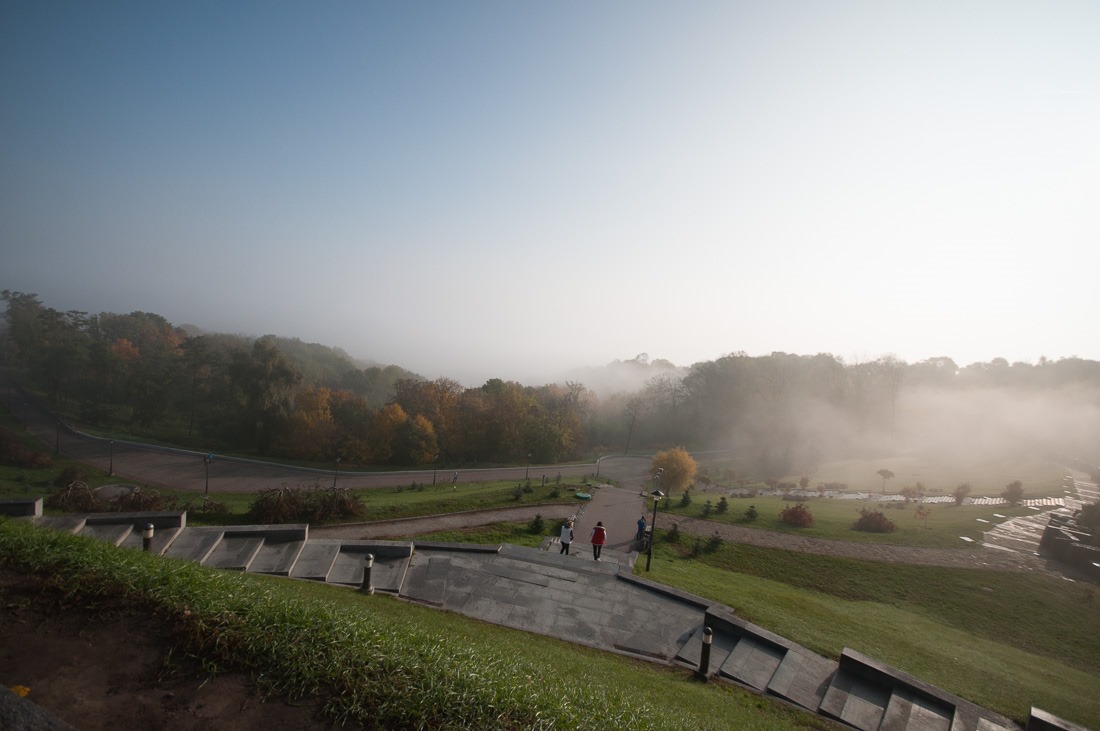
(599, 537)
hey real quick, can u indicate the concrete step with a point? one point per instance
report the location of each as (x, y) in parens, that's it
(194, 544)
(390, 565)
(277, 557)
(753, 662)
(855, 700)
(722, 644)
(113, 533)
(803, 678)
(162, 538)
(909, 711)
(65, 523)
(234, 551)
(873, 696)
(316, 560)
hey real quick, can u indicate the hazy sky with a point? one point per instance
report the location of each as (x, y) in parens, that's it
(505, 189)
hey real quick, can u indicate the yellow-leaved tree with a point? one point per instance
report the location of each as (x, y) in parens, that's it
(677, 467)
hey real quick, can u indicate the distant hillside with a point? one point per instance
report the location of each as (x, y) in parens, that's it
(624, 376)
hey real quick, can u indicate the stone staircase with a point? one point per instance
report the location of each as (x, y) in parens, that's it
(598, 604)
(278, 550)
(856, 690)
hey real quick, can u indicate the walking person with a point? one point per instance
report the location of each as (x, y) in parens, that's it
(566, 536)
(641, 528)
(599, 537)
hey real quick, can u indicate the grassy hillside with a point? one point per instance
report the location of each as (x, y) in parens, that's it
(381, 663)
(1003, 640)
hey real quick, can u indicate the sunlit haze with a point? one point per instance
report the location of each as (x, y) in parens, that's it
(495, 189)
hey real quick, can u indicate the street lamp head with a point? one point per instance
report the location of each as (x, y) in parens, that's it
(657, 494)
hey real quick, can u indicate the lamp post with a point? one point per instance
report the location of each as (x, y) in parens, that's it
(208, 459)
(527, 475)
(657, 495)
(111, 467)
(335, 472)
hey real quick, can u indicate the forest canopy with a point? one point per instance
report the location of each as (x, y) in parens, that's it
(778, 413)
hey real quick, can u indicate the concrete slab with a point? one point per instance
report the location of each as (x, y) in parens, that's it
(112, 533)
(908, 711)
(984, 724)
(65, 523)
(753, 662)
(276, 557)
(856, 701)
(162, 538)
(315, 561)
(802, 678)
(21, 507)
(721, 646)
(234, 551)
(1041, 720)
(194, 544)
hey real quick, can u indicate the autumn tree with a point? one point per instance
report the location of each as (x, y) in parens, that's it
(310, 432)
(387, 429)
(676, 467)
(419, 443)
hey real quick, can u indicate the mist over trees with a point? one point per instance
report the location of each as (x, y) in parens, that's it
(779, 414)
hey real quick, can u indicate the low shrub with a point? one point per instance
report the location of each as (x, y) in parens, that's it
(673, 535)
(872, 521)
(69, 475)
(296, 505)
(797, 515)
(76, 497)
(751, 514)
(537, 525)
(13, 453)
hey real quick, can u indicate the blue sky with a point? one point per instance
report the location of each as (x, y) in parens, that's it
(510, 189)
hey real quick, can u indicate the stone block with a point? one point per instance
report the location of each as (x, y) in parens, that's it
(855, 700)
(753, 662)
(802, 678)
(315, 561)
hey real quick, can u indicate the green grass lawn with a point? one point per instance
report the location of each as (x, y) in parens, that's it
(1005, 641)
(941, 476)
(834, 517)
(381, 663)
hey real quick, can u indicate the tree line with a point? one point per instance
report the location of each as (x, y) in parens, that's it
(280, 397)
